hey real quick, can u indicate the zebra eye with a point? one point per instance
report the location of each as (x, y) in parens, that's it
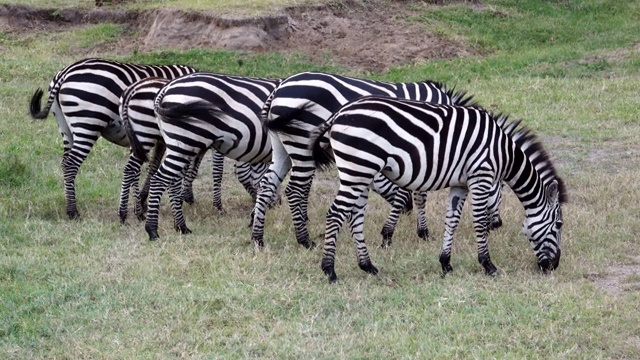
(559, 225)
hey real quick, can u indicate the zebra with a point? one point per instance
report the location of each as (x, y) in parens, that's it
(203, 110)
(84, 99)
(305, 101)
(136, 112)
(424, 147)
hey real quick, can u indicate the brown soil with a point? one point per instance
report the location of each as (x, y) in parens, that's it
(371, 35)
(618, 279)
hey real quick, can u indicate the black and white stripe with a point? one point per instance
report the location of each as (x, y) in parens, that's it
(305, 101)
(138, 117)
(84, 99)
(423, 147)
(204, 110)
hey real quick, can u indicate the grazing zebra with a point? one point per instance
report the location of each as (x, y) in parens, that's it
(136, 112)
(200, 111)
(84, 99)
(423, 147)
(305, 101)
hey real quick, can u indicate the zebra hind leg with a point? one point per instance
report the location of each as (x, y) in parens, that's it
(130, 178)
(356, 226)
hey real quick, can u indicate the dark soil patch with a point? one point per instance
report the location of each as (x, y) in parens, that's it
(371, 35)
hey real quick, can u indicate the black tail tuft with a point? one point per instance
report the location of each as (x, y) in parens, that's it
(322, 156)
(34, 106)
(293, 117)
(196, 109)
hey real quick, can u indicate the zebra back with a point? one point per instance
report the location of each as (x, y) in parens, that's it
(126, 74)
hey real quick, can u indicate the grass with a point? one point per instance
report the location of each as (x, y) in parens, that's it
(93, 288)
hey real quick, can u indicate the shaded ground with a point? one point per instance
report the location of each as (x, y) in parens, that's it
(355, 34)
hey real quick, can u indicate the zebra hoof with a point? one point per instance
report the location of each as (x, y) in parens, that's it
(489, 268)
(123, 219)
(141, 216)
(308, 244)
(153, 235)
(446, 268)
(184, 230)
(423, 234)
(369, 268)
(445, 261)
(189, 199)
(496, 223)
(73, 215)
(328, 270)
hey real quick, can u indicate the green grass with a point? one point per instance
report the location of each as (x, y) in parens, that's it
(93, 288)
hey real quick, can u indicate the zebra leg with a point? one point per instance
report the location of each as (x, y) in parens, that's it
(388, 190)
(243, 172)
(176, 191)
(70, 166)
(268, 189)
(356, 226)
(480, 190)
(160, 181)
(130, 176)
(217, 159)
(342, 207)
(457, 197)
(154, 164)
(493, 208)
(190, 176)
(420, 199)
(398, 205)
(297, 193)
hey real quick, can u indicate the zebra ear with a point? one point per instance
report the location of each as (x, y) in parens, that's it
(553, 194)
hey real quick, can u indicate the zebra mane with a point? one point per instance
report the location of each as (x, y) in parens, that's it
(459, 98)
(528, 142)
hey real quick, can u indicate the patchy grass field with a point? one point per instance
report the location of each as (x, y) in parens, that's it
(93, 288)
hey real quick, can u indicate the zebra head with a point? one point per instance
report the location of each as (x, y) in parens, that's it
(544, 228)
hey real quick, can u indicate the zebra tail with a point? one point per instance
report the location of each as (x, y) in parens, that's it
(322, 157)
(35, 106)
(179, 112)
(136, 146)
(291, 118)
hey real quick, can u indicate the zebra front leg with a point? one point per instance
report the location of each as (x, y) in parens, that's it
(479, 190)
(130, 177)
(356, 226)
(457, 197)
(389, 226)
(217, 158)
(420, 199)
(388, 190)
(243, 171)
(176, 191)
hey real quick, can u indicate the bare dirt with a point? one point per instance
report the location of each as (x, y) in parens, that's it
(370, 35)
(618, 279)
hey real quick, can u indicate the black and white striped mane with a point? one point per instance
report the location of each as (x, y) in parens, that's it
(529, 143)
(460, 98)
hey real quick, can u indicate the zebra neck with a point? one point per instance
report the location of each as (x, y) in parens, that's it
(526, 182)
